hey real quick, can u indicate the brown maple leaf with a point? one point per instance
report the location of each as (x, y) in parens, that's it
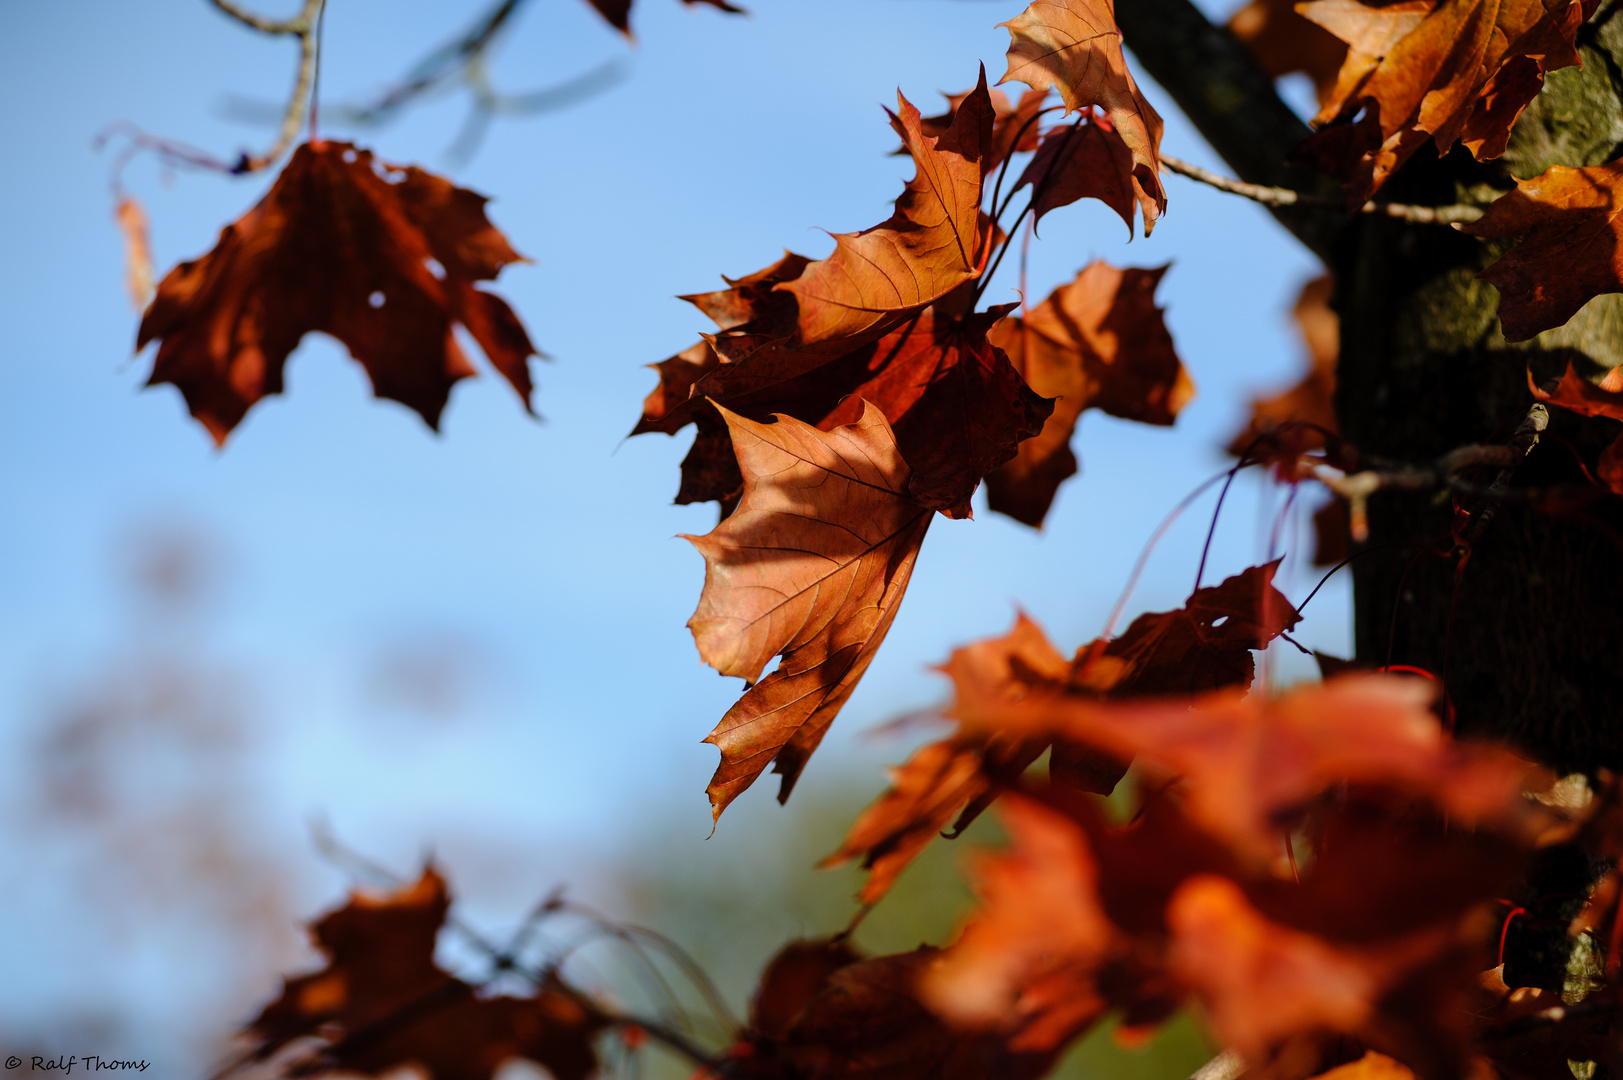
(1445, 70)
(1204, 645)
(382, 1002)
(811, 566)
(1295, 421)
(618, 12)
(1098, 342)
(957, 406)
(1074, 45)
(1003, 687)
(383, 258)
(1568, 224)
(935, 241)
(1014, 126)
(1086, 159)
(1601, 398)
(1284, 43)
(953, 777)
(839, 1016)
(1249, 762)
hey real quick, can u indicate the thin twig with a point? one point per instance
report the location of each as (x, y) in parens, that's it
(1357, 487)
(298, 24)
(1278, 196)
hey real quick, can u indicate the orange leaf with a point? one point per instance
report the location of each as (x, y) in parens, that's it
(1284, 43)
(812, 565)
(1446, 70)
(1075, 45)
(1098, 342)
(934, 242)
(1568, 224)
(384, 259)
(382, 1002)
(132, 222)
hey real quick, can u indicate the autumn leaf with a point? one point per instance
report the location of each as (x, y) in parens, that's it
(1577, 394)
(1284, 43)
(1568, 224)
(384, 259)
(1445, 70)
(1294, 422)
(132, 222)
(1074, 45)
(934, 375)
(951, 777)
(1248, 762)
(382, 1002)
(935, 241)
(618, 12)
(1014, 126)
(1098, 342)
(1087, 160)
(1204, 645)
(811, 566)
(1261, 983)
(851, 1018)
(1003, 687)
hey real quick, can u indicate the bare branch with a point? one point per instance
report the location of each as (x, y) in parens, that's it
(299, 24)
(305, 29)
(1278, 196)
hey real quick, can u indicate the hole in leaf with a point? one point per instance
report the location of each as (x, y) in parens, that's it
(1219, 621)
(435, 268)
(349, 157)
(376, 299)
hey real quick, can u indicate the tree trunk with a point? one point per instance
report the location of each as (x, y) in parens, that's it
(1524, 623)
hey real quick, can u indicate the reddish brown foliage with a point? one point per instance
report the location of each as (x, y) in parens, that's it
(1446, 70)
(1284, 42)
(811, 566)
(1568, 224)
(825, 1013)
(1074, 45)
(618, 12)
(383, 258)
(382, 1002)
(1004, 688)
(1098, 342)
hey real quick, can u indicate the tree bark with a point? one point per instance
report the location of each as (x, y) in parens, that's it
(1524, 624)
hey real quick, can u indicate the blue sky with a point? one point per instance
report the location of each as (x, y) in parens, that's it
(544, 551)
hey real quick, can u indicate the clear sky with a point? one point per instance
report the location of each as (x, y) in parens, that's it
(535, 562)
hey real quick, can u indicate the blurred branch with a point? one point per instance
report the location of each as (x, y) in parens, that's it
(306, 26)
(1278, 196)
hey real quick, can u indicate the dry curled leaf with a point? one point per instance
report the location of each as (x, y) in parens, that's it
(935, 241)
(957, 406)
(811, 566)
(132, 222)
(1568, 224)
(382, 1002)
(1074, 45)
(1444, 70)
(1098, 342)
(1086, 159)
(385, 259)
